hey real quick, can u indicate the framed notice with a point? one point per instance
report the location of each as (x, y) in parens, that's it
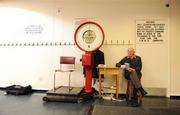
(151, 31)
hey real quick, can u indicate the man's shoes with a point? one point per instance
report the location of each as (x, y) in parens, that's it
(133, 103)
(143, 92)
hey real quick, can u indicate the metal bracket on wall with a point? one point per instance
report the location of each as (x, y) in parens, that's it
(106, 42)
(40, 44)
(117, 42)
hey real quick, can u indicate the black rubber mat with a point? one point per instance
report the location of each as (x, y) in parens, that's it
(120, 110)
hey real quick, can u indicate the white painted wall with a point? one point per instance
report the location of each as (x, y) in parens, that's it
(35, 64)
(175, 48)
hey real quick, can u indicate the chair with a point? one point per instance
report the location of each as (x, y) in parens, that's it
(128, 92)
(65, 60)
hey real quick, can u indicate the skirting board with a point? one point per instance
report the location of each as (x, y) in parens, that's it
(175, 96)
(156, 91)
(160, 92)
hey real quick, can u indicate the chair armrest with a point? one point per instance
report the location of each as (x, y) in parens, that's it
(59, 70)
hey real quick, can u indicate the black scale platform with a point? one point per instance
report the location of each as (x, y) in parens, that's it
(63, 93)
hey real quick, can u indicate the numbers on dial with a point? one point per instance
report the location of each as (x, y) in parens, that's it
(89, 36)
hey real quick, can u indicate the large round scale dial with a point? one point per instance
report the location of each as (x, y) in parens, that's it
(89, 36)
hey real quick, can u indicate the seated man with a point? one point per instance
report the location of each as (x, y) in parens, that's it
(132, 65)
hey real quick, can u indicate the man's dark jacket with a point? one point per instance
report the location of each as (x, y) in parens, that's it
(98, 59)
(134, 63)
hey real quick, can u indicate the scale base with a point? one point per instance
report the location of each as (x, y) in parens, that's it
(64, 94)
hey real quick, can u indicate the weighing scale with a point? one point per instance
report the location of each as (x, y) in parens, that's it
(88, 37)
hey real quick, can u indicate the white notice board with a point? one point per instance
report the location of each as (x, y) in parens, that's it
(151, 31)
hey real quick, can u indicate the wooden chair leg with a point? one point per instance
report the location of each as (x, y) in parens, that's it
(128, 90)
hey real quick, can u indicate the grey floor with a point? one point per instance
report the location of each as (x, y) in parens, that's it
(33, 105)
(150, 106)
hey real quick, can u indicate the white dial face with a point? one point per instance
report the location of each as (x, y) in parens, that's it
(89, 37)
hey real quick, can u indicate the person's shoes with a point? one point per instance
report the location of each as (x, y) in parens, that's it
(128, 102)
(135, 103)
(143, 92)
